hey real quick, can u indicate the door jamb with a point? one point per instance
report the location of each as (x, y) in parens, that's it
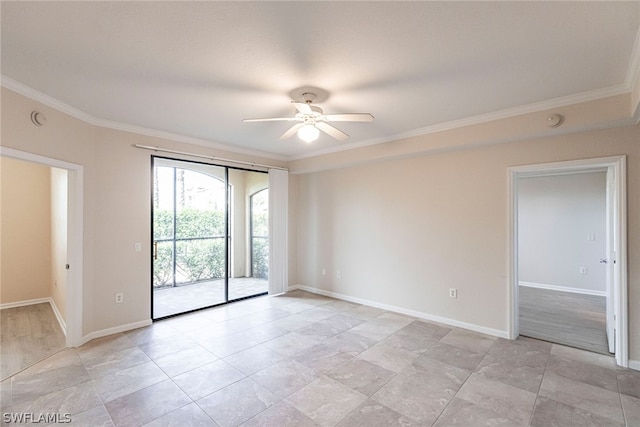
(618, 163)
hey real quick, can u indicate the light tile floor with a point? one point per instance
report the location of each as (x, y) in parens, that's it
(305, 360)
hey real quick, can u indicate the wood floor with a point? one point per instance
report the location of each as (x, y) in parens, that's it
(575, 320)
(27, 335)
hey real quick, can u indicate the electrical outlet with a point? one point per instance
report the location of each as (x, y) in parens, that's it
(324, 272)
(119, 298)
(453, 293)
(583, 270)
(339, 274)
(138, 247)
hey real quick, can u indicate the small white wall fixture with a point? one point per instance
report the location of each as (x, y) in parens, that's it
(616, 172)
(74, 238)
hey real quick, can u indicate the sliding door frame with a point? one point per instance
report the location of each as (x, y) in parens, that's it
(227, 237)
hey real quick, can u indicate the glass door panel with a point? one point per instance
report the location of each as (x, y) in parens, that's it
(189, 229)
(249, 234)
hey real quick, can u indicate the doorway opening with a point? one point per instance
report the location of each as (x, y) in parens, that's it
(568, 254)
(67, 225)
(210, 235)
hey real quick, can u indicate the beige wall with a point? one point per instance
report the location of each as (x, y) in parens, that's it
(404, 231)
(26, 231)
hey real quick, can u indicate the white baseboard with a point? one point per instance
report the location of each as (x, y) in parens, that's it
(49, 300)
(61, 322)
(115, 330)
(562, 289)
(24, 303)
(634, 364)
(418, 314)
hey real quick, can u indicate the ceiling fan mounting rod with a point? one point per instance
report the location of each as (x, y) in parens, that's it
(308, 97)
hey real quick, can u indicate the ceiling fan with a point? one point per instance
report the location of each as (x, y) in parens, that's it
(312, 120)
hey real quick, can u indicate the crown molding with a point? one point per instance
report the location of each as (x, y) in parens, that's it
(43, 98)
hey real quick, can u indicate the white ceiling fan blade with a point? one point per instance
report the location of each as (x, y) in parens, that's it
(349, 117)
(273, 119)
(302, 107)
(292, 130)
(327, 128)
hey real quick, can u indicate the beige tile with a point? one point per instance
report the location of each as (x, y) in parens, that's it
(392, 358)
(583, 356)
(185, 360)
(281, 414)
(292, 343)
(237, 403)
(511, 373)
(100, 346)
(342, 322)
(111, 362)
(351, 343)
(459, 412)
(164, 346)
(408, 339)
(155, 331)
(319, 331)
(378, 329)
(95, 417)
(436, 385)
(321, 358)
(127, 381)
(326, 401)
(190, 415)
(284, 377)
(469, 340)
(265, 332)
(428, 329)
(145, 405)
(629, 382)
(75, 399)
(254, 359)
(27, 387)
(372, 413)
(549, 412)
(584, 372)
(519, 352)
(454, 356)
(631, 408)
(63, 358)
(362, 376)
(207, 379)
(583, 396)
(509, 402)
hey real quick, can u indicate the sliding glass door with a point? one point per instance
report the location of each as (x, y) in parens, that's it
(202, 244)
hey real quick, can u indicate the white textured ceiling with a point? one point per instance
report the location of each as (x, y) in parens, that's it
(197, 68)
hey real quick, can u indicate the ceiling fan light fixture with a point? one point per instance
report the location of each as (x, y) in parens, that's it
(308, 133)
